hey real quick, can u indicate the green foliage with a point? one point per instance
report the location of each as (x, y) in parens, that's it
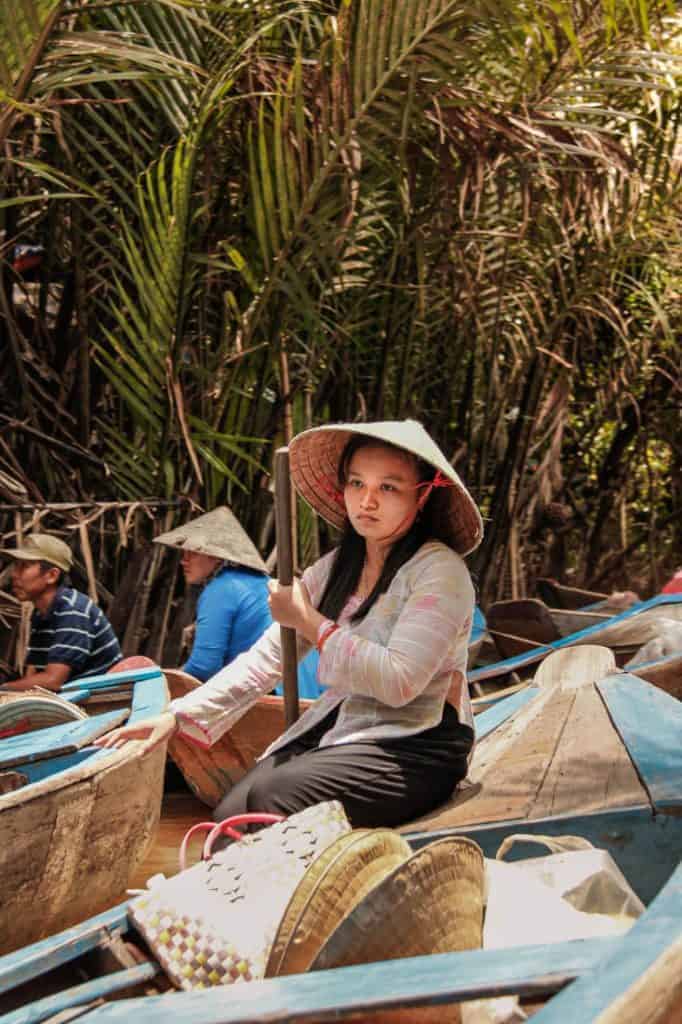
(464, 213)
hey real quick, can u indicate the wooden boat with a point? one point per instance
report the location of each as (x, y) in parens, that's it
(211, 772)
(666, 673)
(585, 750)
(624, 633)
(624, 980)
(557, 595)
(80, 818)
(520, 625)
(579, 753)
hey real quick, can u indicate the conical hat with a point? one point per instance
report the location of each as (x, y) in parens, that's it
(331, 887)
(314, 459)
(431, 903)
(217, 533)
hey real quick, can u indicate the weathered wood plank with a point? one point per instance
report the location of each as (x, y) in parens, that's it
(81, 995)
(336, 995)
(641, 981)
(110, 679)
(150, 697)
(590, 769)
(44, 956)
(649, 722)
(490, 719)
(533, 764)
(57, 739)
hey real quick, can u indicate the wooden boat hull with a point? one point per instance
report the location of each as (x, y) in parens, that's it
(211, 773)
(615, 980)
(71, 840)
(623, 633)
(626, 979)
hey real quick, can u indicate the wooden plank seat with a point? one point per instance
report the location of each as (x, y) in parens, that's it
(66, 738)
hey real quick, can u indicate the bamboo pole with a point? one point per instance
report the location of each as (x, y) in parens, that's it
(66, 506)
(25, 619)
(285, 574)
(88, 559)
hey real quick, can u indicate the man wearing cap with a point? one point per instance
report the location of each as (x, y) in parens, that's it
(70, 636)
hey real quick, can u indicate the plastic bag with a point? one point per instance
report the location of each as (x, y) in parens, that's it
(577, 892)
(587, 877)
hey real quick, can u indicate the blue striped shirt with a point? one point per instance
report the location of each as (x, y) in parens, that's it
(74, 632)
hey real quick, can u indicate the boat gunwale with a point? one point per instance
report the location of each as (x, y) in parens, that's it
(100, 762)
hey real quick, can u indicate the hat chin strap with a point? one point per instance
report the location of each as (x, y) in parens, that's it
(439, 480)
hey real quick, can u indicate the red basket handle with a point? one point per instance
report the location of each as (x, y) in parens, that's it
(226, 827)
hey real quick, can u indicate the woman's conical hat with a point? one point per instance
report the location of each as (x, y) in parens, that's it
(217, 533)
(314, 459)
(430, 903)
(332, 886)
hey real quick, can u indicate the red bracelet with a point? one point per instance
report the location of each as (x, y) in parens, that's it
(325, 636)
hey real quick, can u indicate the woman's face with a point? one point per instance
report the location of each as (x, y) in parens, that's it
(381, 493)
(197, 567)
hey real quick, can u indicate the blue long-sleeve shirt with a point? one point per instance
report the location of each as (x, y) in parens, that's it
(232, 613)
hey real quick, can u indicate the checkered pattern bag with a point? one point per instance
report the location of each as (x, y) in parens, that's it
(214, 924)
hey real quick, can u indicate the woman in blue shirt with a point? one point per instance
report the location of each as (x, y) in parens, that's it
(232, 610)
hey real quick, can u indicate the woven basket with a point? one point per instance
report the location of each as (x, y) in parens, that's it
(214, 923)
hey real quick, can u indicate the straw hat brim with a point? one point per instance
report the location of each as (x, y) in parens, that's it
(314, 457)
(217, 533)
(431, 903)
(332, 886)
(59, 561)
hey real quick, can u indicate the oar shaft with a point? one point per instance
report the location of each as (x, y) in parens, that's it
(285, 573)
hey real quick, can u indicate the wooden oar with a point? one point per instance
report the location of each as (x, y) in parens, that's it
(285, 574)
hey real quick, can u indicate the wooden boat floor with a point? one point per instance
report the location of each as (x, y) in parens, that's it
(179, 812)
(568, 759)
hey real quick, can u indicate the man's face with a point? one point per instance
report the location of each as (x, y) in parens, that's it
(30, 580)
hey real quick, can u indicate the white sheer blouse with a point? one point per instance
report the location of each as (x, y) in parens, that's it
(389, 675)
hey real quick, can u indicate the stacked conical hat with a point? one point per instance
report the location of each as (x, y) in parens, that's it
(27, 710)
(430, 903)
(368, 898)
(217, 533)
(332, 886)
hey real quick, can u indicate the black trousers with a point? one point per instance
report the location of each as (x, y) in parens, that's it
(379, 783)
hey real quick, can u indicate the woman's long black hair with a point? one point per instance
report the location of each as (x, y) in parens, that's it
(432, 523)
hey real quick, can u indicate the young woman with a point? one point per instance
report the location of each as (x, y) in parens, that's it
(390, 612)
